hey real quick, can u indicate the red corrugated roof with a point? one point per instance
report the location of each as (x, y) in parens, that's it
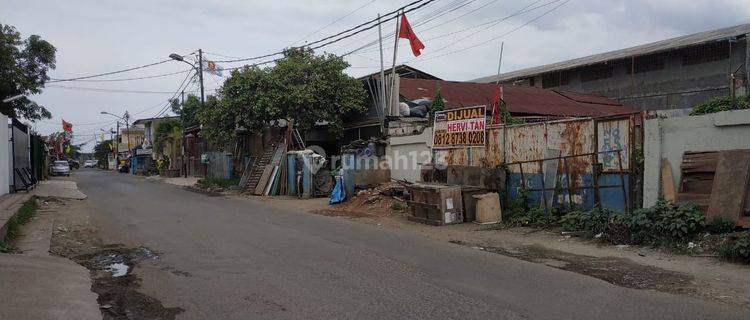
(520, 100)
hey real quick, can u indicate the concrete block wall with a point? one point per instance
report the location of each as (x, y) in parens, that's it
(408, 153)
(669, 138)
(676, 86)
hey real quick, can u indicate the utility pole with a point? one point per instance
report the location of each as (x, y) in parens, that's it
(200, 74)
(127, 126)
(117, 147)
(183, 165)
(394, 91)
(382, 77)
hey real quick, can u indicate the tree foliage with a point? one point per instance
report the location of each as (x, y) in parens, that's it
(168, 133)
(102, 150)
(23, 71)
(718, 104)
(438, 103)
(302, 86)
(310, 88)
(187, 110)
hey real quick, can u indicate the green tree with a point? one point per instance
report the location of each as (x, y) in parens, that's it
(301, 86)
(218, 122)
(167, 135)
(187, 110)
(102, 150)
(308, 88)
(23, 71)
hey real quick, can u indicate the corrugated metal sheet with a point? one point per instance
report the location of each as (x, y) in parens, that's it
(614, 135)
(495, 153)
(659, 46)
(520, 100)
(526, 142)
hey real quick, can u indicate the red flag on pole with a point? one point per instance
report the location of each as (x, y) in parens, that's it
(67, 126)
(406, 32)
(497, 99)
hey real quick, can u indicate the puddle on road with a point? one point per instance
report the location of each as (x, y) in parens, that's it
(118, 269)
(113, 280)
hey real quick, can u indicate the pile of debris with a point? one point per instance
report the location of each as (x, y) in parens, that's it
(386, 199)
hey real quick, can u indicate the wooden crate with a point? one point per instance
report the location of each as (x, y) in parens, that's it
(436, 204)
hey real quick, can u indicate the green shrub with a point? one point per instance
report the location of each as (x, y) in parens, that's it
(681, 223)
(719, 104)
(737, 250)
(664, 223)
(591, 222)
(721, 225)
(521, 211)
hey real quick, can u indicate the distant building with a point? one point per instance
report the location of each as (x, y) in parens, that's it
(149, 126)
(676, 73)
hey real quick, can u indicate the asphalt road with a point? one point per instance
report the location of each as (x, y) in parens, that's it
(244, 259)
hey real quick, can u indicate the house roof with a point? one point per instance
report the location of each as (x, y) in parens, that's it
(520, 100)
(659, 46)
(139, 121)
(403, 71)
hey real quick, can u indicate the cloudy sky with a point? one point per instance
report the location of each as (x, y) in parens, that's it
(462, 40)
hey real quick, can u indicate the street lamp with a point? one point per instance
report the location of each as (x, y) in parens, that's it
(198, 68)
(13, 98)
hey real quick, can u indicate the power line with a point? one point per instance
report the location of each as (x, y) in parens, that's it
(494, 38)
(113, 72)
(184, 83)
(125, 79)
(455, 5)
(334, 21)
(491, 24)
(340, 33)
(108, 90)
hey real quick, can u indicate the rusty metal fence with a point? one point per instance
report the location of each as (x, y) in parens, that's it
(590, 153)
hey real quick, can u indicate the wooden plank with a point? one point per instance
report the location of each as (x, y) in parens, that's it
(667, 183)
(730, 185)
(271, 181)
(268, 170)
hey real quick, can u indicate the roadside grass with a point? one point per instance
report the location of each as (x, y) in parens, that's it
(206, 183)
(25, 214)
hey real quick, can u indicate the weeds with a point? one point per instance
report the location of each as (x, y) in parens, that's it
(25, 213)
(735, 250)
(721, 225)
(206, 183)
(398, 206)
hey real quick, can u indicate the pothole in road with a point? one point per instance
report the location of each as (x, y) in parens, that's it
(117, 287)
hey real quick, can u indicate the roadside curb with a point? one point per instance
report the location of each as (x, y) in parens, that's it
(10, 205)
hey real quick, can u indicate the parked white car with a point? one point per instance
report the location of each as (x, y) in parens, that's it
(60, 168)
(90, 164)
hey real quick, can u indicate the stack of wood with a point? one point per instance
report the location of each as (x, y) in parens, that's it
(718, 183)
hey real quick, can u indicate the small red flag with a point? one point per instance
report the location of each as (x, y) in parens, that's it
(406, 32)
(67, 126)
(497, 99)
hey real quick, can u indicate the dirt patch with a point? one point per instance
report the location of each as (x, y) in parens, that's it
(617, 271)
(75, 236)
(116, 285)
(383, 200)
